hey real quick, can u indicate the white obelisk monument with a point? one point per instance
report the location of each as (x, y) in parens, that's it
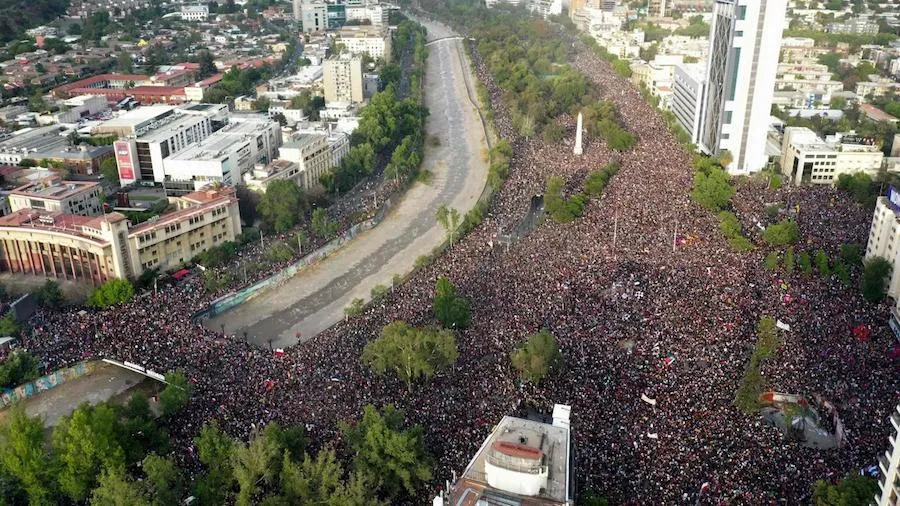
(578, 150)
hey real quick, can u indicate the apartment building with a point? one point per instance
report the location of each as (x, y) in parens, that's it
(371, 40)
(343, 79)
(889, 464)
(313, 157)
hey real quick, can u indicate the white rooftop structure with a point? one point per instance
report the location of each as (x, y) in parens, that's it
(521, 462)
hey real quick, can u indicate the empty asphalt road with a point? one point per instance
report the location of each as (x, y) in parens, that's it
(314, 299)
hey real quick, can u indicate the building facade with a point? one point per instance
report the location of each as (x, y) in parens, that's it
(224, 157)
(884, 239)
(195, 12)
(658, 8)
(313, 155)
(313, 16)
(374, 41)
(98, 249)
(69, 197)
(688, 98)
(889, 464)
(807, 159)
(745, 36)
(343, 79)
(204, 219)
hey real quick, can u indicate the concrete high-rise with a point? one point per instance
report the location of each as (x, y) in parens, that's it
(744, 42)
(297, 10)
(343, 79)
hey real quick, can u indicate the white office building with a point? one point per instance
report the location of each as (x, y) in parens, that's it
(689, 98)
(224, 157)
(343, 79)
(546, 8)
(745, 36)
(80, 107)
(314, 16)
(807, 159)
(889, 481)
(195, 12)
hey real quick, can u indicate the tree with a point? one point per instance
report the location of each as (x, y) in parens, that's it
(214, 448)
(321, 225)
(207, 65)
(281, 207)
(712, 190)
(116, 489)
(393, 459)
(852, 491)
(252, 463)
(783, 233)
(262, 104)
(450, 309)
(124, 63)
(110, 170)
(49, 295)
(177, 393)
(9, 326)
(114, 291)
(22, 454)
(874, 278)
(771, 261)
(84, 443)
(248, 202)
(20, 367)
(789, 260)
(314, 481)
(410, 352)
(821, 260)
(448, 217)
(166, 483)
(537, 357)
(291, 440)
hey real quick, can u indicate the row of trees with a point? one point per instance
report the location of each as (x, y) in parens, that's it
(90, 452)
(753, 383)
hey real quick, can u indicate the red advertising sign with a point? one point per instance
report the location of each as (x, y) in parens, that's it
(124, 160)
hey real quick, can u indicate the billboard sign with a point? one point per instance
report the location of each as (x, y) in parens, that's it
(858, 139)
(894, 198)
(124, 160)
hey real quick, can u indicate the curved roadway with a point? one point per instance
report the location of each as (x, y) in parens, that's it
(315, 299)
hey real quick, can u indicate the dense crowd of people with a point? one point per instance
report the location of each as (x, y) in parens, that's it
(643, 294)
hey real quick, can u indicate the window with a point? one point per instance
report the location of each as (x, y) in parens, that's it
(742, 12)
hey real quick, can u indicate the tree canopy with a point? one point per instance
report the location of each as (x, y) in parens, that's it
(410, 352)
(114, 291)
(392, 458)
(852, 491)
(874, 277)
(450, 309)
(282, 206)
(537, 357)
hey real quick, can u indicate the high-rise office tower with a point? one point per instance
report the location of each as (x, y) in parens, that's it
(297, 10)
(744, 42)
(658, 8)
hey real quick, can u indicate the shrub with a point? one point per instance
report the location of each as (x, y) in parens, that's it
(783, 233)
(114, 291)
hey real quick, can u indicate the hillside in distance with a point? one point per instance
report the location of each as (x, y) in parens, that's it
(16, 16)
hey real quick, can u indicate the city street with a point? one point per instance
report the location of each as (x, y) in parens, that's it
(315, 299)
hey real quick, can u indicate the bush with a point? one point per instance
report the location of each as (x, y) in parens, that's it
(560, 209)
(789, 261)
(771, 261)
(115, 291)
(783, 233)
(753, 383)
(731, 229)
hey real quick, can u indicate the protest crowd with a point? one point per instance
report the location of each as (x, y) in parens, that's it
(642, 293)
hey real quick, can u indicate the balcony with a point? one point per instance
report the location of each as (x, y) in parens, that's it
(884, 463)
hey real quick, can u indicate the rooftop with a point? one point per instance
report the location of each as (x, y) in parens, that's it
(59, 222)
(519, 454)
(54, 190)
(165, 129)
(220, 143)
(139, 115)
(875, 113)
(200, 206)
